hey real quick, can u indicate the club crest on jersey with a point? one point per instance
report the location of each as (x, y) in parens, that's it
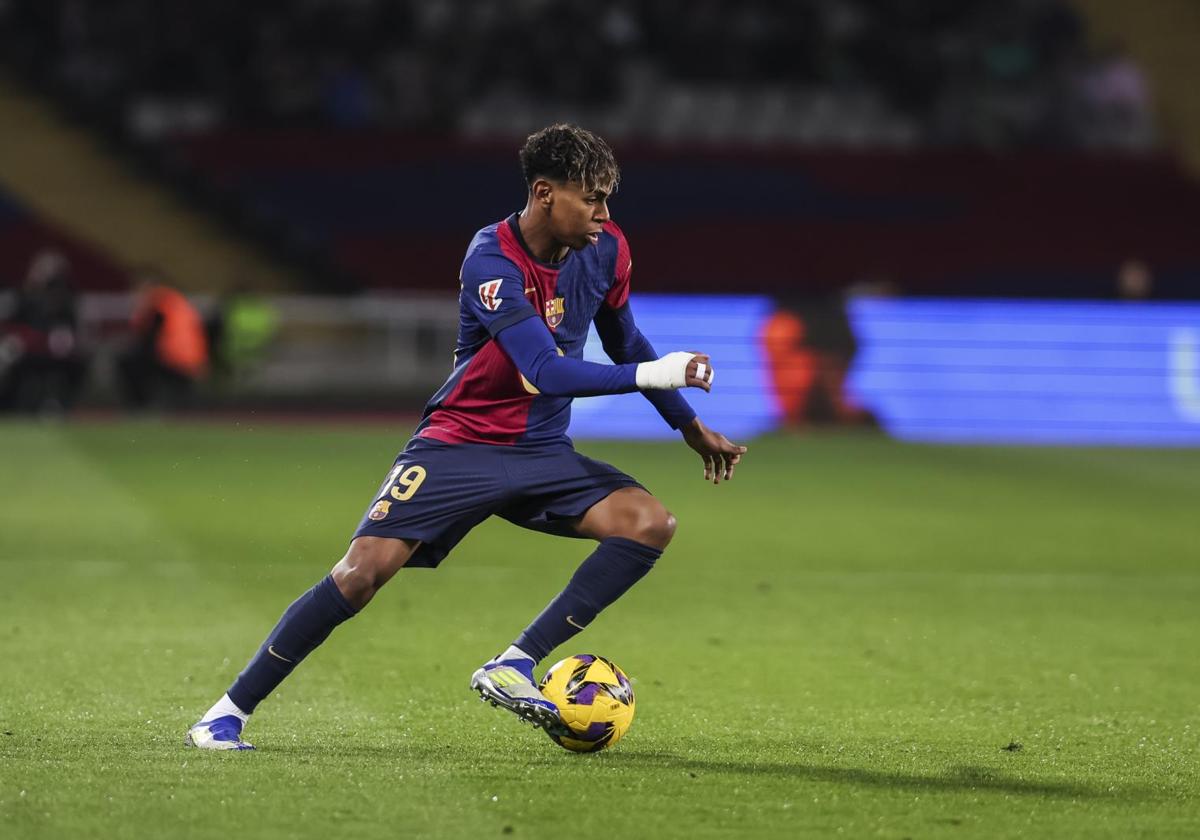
(554, 312)
(489, 294)
(380, 510)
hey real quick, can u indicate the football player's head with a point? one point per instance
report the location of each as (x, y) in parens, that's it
(571, 175)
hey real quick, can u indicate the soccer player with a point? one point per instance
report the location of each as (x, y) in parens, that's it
(493, 440)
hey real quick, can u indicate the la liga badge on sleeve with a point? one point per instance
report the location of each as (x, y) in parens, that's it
(488, 294)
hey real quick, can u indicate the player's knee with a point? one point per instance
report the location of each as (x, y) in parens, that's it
(654, 525)
(665, 530)
(357, 581)
(367, 566)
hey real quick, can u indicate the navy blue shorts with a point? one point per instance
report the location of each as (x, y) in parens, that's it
(436, 492)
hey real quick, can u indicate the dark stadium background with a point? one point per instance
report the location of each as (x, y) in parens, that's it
(808, 152)
(945, 255)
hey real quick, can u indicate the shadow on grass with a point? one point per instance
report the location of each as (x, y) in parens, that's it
(957, 779)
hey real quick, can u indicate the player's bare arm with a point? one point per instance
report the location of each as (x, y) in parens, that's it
(719, 453)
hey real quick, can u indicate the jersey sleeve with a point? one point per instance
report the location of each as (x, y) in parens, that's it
(493, 292)
(532, 349)
(618, 292)
(625, 344)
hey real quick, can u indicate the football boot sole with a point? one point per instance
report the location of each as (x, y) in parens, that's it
(541, 717)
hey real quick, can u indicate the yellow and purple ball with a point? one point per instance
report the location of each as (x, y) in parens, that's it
(594, 698)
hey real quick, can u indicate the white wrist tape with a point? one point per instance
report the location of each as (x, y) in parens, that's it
(665, 374)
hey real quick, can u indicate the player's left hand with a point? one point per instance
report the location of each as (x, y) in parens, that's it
(719, 453)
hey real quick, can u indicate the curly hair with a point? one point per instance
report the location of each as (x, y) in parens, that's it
(565, 152)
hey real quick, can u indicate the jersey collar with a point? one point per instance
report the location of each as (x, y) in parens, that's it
(514, 225)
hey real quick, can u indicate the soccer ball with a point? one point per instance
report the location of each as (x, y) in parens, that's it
(594, 698)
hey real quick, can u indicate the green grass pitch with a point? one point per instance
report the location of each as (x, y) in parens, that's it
(850, 639)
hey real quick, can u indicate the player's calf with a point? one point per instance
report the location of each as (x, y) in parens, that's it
(367, 566)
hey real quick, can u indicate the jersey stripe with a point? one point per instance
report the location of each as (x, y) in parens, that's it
(488, 404)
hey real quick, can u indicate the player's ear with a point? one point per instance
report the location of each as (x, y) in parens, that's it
(543, 192)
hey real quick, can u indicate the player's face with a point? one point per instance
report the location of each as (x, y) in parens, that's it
(577, 216)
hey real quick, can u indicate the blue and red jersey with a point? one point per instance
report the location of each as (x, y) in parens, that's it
(486, 399)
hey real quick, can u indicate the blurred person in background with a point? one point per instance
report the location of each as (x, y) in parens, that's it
(169, 350)
(42, 366)
(809, 346)
(239, 330)
(1135, 280)
(1114, 97)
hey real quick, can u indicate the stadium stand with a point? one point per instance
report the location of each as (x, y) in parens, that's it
(933, 146)
(829, 72)
(23, 235)
(60, 175)
(1165, 45)
(399, 213)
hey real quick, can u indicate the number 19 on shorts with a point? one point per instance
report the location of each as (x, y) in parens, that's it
(405, 482)
(402, 484)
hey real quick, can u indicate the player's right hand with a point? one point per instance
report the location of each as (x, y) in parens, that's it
(700, 372)
(676, 370)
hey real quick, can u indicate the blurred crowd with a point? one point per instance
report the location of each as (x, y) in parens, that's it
(42, 362)
(163, 351)
(835, 72)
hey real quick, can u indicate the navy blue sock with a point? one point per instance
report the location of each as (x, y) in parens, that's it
(304, 625)
(607, 573)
